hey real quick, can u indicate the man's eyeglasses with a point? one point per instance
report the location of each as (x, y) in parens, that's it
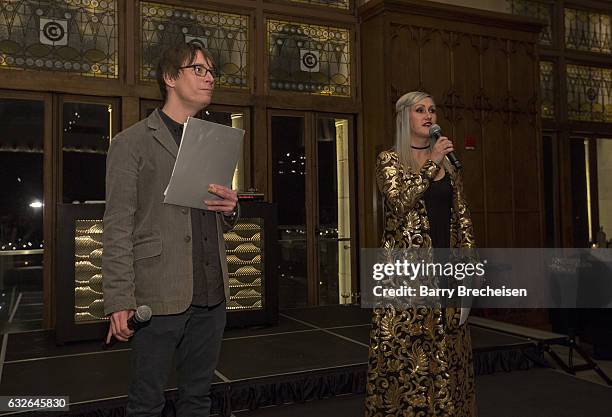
(201, 70)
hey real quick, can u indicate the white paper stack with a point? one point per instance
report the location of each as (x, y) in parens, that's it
(208, 154)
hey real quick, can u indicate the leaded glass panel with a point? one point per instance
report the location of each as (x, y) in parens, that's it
(309, 58)
(531, 8)
(547, 86)
(588, 93)
(73, 36)
(225, 35)
(587, 31)
(339, 4)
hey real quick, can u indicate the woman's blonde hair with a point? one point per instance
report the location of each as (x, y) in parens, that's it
(402, 130)
(402, 127)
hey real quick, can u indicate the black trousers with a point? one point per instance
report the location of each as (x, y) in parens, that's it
(194, 336)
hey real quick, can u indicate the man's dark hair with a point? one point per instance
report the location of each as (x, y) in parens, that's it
(173, 58)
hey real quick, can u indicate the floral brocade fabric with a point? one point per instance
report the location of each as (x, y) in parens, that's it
(420, 359)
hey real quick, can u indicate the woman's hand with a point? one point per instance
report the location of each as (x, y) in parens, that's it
(442, 147)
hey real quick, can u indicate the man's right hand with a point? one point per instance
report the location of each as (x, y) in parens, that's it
(119, 326)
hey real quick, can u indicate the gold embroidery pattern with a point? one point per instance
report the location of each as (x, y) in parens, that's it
(420, 359)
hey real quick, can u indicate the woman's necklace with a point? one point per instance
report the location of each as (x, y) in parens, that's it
(419, 147)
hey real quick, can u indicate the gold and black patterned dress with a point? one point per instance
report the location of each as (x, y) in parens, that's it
(420, 359)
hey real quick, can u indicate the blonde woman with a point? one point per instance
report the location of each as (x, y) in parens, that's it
(420, 358)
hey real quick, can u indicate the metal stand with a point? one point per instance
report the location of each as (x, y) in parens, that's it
(569, 367)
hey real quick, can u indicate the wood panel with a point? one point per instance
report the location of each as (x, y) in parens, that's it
(481, 69)
(499, 230)
(480, 230)
(522, 78)
(528, 228)
(525, 145)
(435, 62)
(494, 72)
(376, 128)
(466, 68)
(404, 46)
(445, 119)
(468, 124)
(498, 164)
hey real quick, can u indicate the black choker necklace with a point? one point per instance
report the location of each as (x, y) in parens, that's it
(418, 147)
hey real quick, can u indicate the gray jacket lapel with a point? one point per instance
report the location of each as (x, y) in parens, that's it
(161, 132)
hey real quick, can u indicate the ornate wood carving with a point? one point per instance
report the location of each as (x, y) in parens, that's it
(483, 75)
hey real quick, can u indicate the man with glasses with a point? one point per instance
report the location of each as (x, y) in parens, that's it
(168, 257)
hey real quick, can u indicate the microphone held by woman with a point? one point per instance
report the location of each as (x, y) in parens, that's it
(435, 131)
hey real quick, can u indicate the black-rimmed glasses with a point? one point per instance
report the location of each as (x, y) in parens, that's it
(201, 70)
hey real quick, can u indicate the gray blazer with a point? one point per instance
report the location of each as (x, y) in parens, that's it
(147, 257)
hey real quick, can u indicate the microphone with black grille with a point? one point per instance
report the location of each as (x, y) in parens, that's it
(435, 131)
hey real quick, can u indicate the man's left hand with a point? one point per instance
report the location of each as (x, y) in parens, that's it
(229, 199)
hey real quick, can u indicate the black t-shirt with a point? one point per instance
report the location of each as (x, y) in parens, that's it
(438, 202)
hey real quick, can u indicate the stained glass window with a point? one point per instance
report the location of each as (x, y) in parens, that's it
(309, 58)
(74, 36)
(587, 31)
(340, 4)
(531, 8)
(547, 87)
(589, 91)
(225, 35)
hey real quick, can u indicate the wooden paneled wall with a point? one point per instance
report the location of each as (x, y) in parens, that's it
(482, 69)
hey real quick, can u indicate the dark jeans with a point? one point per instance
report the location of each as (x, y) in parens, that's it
(195, 337)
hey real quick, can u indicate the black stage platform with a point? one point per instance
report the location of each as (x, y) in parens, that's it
(314, 360)
(533, 393)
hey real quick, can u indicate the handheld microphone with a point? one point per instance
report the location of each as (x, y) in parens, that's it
(435, 132)
(140, 319)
